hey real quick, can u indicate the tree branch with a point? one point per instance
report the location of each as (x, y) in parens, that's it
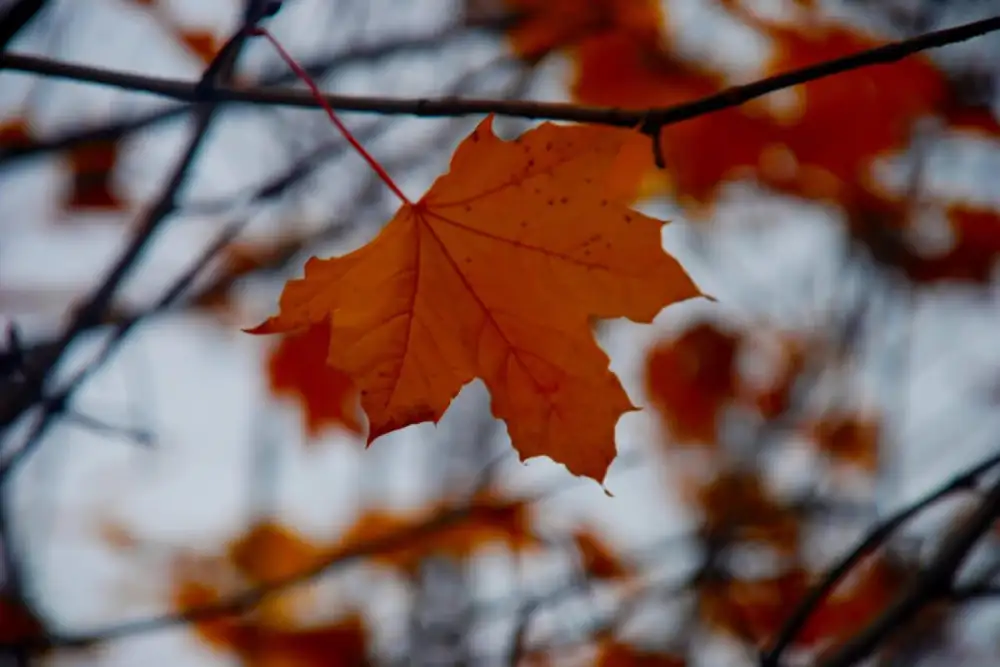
(649, 120)
(933, 583)
(17, 397)
(965, 481)
(316, 68)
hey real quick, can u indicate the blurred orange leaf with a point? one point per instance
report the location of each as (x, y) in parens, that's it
(496, 273)
(538, 27)
(240, 259)
(737, 506)
(15, 132)
(488, 520)
(269, 635)
(599, 561)
(271, 552)
(617, 654)
(884, 100)
(297, 367)
(615, 69)
(690, 379)
(852, 439)
(258, 642)
(92, 165)
(754, 609)
(974, 251)
(202, 43)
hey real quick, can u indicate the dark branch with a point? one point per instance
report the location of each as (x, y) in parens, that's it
(316, 68)
(933, 583)
(649, 121)
(876, 537)
(16, 398)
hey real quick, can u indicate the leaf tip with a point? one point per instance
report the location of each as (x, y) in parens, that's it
(268, 326)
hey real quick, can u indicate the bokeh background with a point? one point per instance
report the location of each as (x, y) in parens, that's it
(848, 366)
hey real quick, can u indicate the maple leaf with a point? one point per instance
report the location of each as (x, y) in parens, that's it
(974, 252)
(755, 609)
(297, 367)
(497, 273)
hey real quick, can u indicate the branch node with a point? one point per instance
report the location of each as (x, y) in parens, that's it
(652, 126)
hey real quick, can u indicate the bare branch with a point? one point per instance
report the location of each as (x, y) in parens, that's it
(876, 537)
(650, 121)
(316, 67)
(17, 397)
(933, 583)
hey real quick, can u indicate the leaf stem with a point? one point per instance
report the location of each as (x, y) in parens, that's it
(321, 100)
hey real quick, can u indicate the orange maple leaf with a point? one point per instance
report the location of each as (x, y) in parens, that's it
(755, 609)
(297, 367)
(879, 221)
(497, 273)
(974, 252)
